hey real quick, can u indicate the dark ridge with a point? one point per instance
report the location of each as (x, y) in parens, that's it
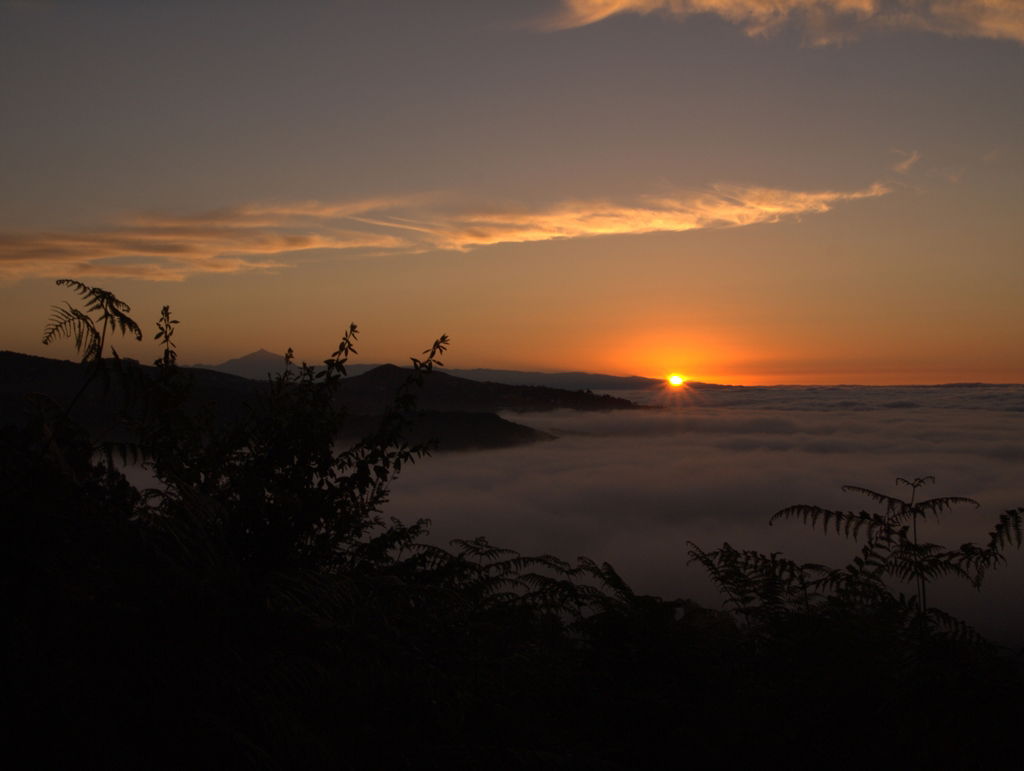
(457, 413)
(571, 381)
(259, 364)
(370, 392)
(256, 366)
(25, 378)
(454, 431)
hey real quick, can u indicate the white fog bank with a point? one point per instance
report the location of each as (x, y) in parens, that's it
(713, 465)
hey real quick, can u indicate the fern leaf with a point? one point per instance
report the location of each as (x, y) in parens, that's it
(69, 322)
(889, 501)
(1008, 531)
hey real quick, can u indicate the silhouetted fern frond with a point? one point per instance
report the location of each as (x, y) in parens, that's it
(480, 549)
(937, 506)
(889, 501)
(69, 322)
(608, 577)
(898, 509)
(112, 311)
(846, 523)
(760, 587)
(763, 586)
(910, 561)
(1007, 531)
(955, 629)
(978, 560)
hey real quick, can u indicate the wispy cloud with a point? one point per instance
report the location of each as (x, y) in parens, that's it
(268, 236)
(723, 206)
(906, 162)
(171, 249)
(825, 21)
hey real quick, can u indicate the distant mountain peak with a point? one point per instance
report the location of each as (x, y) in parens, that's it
(262, 353)
(256, 365)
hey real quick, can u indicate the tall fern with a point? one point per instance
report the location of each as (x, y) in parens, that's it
(762, 587)
(104, 313)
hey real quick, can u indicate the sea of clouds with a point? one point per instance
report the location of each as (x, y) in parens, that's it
(712, 464)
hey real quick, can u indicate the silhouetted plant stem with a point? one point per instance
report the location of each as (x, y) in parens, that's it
(921, 599)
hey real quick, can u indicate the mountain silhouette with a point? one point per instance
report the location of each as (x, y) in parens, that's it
(458, 413)
(372, 391)
(256, 365)
(572, 381)
(259, 364)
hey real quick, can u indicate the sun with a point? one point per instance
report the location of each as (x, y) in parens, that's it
(675, 380)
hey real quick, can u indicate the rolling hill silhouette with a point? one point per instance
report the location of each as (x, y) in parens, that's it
(373, 390)
(458, 413)
(258, 364)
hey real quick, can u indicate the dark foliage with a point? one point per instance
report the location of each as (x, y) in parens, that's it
(256, 609)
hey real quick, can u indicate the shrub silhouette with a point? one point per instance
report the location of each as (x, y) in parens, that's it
(256, 609)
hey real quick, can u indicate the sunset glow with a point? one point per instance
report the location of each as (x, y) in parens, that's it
(394, 383)
(801, 191)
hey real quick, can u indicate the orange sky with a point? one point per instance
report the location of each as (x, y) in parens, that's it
(742, 192)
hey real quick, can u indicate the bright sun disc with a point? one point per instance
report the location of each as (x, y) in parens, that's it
(676, 380)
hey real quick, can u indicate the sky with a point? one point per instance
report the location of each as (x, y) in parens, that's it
(742, 191)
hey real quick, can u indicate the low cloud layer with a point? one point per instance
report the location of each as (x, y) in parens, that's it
(824, 21)
(633, 488)
(264, 237)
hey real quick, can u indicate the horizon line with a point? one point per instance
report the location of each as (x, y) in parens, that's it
(657, 380)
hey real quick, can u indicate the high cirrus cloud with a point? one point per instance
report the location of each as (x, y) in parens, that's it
(263, 237)
(825, 21)
(724, 206)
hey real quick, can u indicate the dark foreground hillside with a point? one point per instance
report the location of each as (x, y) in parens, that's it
(262, 363)
(148, 643)
(257, 612)
(257, 609)
(456, 414)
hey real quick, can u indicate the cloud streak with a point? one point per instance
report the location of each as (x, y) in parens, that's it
(824, 21)
(270, 236)
(724, 206)
(907, 162)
